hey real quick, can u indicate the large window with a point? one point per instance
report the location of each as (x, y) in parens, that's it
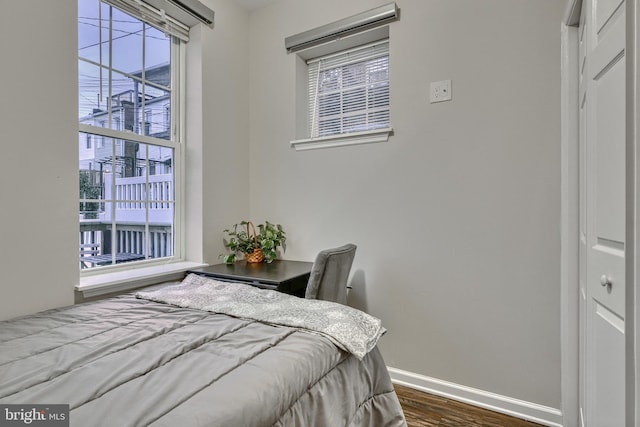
(128, 107)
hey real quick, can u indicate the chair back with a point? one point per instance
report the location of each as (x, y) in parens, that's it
(329, 274)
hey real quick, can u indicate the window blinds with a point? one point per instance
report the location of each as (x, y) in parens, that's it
(153, 16)
(349, 91)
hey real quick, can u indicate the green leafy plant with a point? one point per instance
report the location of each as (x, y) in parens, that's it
(269, 238)
(89, 190)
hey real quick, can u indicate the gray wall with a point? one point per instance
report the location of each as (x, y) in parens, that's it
(39, 172)
(217, 168)
(457, 217)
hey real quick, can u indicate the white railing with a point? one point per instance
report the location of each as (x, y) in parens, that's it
(129, 245)
(138, 201)
(134, 195)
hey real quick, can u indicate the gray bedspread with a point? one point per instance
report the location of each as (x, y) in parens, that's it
(350, 329)
(126, 361)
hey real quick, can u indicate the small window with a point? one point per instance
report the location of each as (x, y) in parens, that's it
(148, 117)
(344, 67)
(349, 91)
(347, 96)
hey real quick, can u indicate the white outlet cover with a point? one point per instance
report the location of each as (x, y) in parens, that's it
(440, 91)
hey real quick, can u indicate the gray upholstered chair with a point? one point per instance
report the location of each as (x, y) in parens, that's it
(329, 274)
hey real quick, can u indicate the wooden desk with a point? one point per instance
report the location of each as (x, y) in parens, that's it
(290, 277)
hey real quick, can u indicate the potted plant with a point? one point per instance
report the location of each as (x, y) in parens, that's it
(256, 246)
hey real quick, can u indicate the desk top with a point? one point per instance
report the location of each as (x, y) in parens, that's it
(271, 273)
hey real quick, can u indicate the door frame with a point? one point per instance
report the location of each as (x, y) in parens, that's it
(570, 213)
(632, 263)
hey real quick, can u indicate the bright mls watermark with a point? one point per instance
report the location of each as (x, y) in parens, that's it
(34, 415)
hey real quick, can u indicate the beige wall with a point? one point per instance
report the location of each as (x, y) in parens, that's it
(457, 217)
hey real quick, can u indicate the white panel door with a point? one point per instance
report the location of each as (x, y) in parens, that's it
(603, 178)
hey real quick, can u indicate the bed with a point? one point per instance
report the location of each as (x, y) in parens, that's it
(168, 356)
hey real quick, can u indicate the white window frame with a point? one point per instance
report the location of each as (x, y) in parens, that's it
(306, 140)
(178, 88)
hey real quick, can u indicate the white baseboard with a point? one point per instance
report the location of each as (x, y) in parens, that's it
(506, 405)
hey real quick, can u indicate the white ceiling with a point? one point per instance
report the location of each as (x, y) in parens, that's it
(253, 4)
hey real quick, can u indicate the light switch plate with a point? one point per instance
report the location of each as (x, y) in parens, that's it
(440, 91)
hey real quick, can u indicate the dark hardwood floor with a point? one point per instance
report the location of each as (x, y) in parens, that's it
(426, 410)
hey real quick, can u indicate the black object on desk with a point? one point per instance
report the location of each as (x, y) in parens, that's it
(290, 277)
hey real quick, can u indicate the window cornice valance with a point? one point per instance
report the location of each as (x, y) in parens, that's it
(352, 25)
(175, 17)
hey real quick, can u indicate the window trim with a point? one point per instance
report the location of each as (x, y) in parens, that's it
(344, 139)
(302, 103)
(302, 139)
(120, 280)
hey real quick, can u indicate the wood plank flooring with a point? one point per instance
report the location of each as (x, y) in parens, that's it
(427, 410)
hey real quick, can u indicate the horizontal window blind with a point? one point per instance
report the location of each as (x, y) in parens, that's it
(155, 17)
(349, 91)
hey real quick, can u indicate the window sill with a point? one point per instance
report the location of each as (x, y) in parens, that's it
(124, 280)
(366, 137)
